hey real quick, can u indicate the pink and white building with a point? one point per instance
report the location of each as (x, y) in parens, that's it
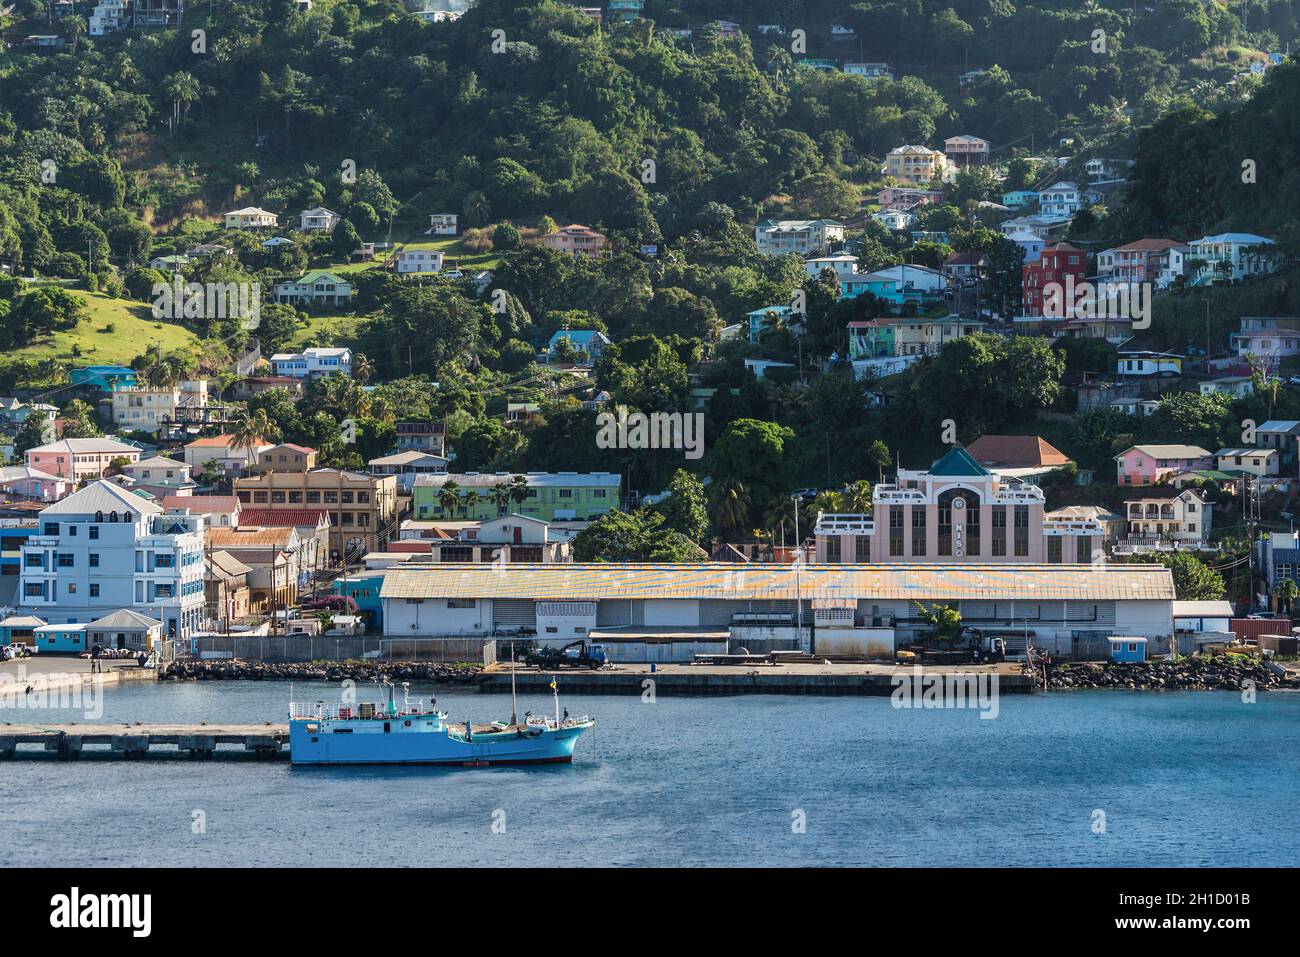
(77, 459)
(1153, 464)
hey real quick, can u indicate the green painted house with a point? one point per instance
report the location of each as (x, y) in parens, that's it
(551, 496)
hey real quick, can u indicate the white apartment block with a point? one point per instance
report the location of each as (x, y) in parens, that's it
(312, 362)
(102, 549)
(149, 408)
(1061, 201)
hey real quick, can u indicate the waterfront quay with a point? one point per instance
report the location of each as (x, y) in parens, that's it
(134, 741)
(795, 678)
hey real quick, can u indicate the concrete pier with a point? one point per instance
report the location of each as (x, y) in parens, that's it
(802, 678)
(70, 741)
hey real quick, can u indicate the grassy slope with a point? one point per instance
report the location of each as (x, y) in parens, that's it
(134, 329)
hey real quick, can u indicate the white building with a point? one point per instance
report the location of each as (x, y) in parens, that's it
(250, 217)
(872, 71)
(312, 362)
(647, 612)
(102, 549)
(1231, 256)
(1060, 201)
(844, 267)
(807, 237)
(894, 220)
(442, 224)
(108, 16)
(418, 262)
(320, 287)
(318, 220)
(1166, 519)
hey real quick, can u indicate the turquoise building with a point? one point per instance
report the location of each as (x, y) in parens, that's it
(363, 588)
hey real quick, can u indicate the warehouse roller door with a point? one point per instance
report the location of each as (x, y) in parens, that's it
(510, 613)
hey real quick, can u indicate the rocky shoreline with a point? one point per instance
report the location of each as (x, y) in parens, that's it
(436, 672)
(1198, 674)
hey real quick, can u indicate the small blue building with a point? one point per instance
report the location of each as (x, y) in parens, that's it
(363, 588)
(104, 378)
(61, 639)
(1128, 650)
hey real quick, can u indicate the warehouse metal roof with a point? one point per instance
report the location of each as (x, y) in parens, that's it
(725, 580)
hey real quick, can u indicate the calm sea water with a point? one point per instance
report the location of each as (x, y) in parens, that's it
(700, 781)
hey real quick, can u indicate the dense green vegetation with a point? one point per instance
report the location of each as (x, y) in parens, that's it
(126, 148)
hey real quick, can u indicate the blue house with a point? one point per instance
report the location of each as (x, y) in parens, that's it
(104, 378)
(1019, 197)
(363, 588)
(591, 341)
(1128, 650)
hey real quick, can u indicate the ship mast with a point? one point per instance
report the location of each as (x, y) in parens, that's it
(514, 701)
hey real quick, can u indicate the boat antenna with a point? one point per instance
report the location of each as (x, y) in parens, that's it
(555, 689)
(514, 700)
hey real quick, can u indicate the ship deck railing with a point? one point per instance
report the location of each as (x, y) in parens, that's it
(318, 711)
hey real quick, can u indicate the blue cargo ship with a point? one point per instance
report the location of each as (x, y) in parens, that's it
(415, 734)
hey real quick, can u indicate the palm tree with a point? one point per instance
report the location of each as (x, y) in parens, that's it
(519, 489)
(731, 507)
(448, 496)
(857, 497)
(362, 368)
(250, 429)
(183, 89)
(501, 496)
(470, 501)
(477, 210)
(1285, 593)
(75, 28)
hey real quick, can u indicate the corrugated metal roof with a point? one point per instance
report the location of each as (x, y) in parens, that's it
(728, 580)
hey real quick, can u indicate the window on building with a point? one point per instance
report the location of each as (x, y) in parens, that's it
(833, 550)
(918, 530)
(1022, 530)
(277, 498)
(1054, 549)
(51, 528)
(895, 529)
(999, 519)
(66, 560)
(94, 531)
(259, 498)
(94, 559)
(461, 603)
(862, 548)
(1083, 550)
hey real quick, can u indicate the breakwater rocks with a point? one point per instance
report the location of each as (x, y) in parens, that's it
(1211, 674)
(236, 669)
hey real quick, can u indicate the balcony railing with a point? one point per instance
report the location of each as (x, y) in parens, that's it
(829, 523)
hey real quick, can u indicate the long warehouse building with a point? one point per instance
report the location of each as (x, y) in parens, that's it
(666, 612)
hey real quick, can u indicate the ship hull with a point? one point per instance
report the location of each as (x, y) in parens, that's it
(368, 743)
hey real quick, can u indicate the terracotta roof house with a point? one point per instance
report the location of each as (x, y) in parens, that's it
(1016, 451)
